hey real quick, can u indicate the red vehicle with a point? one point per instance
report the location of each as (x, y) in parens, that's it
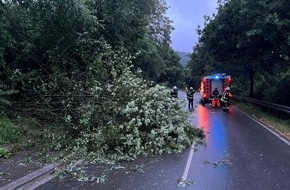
(209, 83)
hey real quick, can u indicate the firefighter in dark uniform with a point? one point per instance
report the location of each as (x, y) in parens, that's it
(225, 98)
(190, 97)
(174, 92)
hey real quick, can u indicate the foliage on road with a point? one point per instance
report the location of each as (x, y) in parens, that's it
(112, 126)
(128, 117)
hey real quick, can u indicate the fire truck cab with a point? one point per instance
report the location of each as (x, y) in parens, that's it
(209, 83)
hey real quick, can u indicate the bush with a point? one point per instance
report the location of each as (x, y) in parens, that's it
(4, 153)
(278, 94)
(9, 133)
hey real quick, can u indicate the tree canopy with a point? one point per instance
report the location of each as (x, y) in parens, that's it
(250, 41)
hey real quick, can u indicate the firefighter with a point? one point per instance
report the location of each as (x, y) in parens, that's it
(226, 97)
(190, 97)
(215, 100)
(174, 92)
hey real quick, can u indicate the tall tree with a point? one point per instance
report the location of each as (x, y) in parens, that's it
(248, 39)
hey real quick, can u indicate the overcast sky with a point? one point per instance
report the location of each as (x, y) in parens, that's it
(186, 15)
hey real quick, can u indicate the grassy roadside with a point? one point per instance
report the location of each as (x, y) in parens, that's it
(279, 125)
(9, 134)
(14, 136)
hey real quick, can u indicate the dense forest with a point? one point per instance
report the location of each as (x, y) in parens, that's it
(249, 40)
(61, 40)
(90, 77)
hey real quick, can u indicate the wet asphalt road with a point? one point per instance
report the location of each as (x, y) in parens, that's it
(240, 154)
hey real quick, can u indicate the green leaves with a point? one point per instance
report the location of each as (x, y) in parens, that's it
(135, 118)
(4, 153)
(247, 39)
(4, 94)
(74, 64)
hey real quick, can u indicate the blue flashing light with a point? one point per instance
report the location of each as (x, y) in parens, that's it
(217, 77)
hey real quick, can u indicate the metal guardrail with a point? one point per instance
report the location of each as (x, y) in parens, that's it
(279, 107)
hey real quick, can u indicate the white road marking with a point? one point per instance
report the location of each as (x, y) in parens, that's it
(27, 178)
(36, 178)
(186, 170)
(266, 127)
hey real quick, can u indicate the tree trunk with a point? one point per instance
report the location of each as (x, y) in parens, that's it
(252, 74)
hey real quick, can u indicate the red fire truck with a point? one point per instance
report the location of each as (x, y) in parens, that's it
(209, 83)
